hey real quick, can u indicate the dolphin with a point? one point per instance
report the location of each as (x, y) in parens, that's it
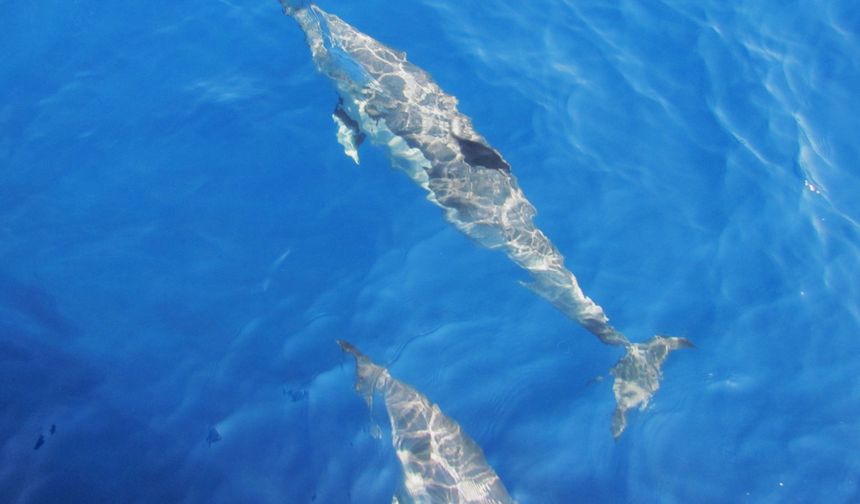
(396, 105)
(440, 462)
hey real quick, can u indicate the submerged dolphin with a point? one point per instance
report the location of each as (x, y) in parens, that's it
(395, 104)
(440, 462)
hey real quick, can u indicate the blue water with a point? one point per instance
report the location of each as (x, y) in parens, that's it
(182, 240)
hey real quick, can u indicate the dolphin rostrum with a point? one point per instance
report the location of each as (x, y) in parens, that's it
(440, 462)
(395, 104)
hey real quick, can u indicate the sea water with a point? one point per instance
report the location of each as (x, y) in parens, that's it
(182, 240)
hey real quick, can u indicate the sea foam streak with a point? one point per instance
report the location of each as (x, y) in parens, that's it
(440, 462)
(397, 105)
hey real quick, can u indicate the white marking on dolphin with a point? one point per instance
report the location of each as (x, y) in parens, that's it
(398, 106)
(440, 462)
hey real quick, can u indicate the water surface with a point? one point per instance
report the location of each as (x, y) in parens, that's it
(182, 241)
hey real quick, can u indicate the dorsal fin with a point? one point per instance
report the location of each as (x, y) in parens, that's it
(478, 154)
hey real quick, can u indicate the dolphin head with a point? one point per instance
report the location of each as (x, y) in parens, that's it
(355, 62)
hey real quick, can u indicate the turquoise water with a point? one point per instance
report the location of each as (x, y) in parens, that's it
(182, 241)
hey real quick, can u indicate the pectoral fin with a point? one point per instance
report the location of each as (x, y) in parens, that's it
(348, 133)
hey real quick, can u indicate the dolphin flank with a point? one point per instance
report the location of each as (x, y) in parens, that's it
(393, 103)
(440, 462)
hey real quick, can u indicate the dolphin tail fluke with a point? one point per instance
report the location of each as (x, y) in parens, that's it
(369, 378)
(366, 372)
(638, 374)
(349, 348)
(291, 6)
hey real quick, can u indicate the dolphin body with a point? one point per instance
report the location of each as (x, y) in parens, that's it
(440, 462)
(397, 105)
